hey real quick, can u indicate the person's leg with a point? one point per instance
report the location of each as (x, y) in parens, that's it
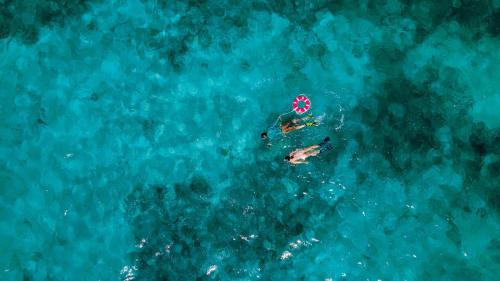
(312, 147)
(309, 116)
(313, 121)
(314, 153)
(295, 121)
(292, 128)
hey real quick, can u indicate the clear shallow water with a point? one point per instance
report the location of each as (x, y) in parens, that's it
(129, 139)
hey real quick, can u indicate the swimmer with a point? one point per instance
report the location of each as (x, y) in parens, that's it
(284, 128)
(299, 156)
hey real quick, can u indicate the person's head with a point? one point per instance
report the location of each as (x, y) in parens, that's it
(263, 135)
(288, 158)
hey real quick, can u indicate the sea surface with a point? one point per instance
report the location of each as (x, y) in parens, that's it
(130, 140)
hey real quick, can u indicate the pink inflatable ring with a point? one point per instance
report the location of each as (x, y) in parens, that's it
(305, 101)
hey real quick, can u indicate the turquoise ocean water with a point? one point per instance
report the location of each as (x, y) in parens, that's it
(130, 140)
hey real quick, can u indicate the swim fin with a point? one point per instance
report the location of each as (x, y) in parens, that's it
(314, 123)
(324, 145)
(325, 148)
(325, 140)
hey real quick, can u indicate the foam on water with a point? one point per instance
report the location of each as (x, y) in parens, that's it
(129, 139)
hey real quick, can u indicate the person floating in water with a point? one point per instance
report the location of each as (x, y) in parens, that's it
(299, 156)
(283, 128)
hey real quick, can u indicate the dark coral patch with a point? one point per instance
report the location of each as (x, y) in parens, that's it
(13, 14)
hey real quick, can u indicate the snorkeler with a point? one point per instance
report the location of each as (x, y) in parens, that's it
(299, 156)
(283, 128)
